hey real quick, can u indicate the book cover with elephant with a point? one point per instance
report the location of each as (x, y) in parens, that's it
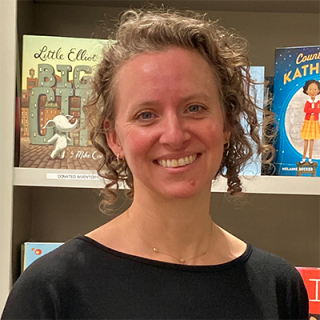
(297, 107)
(55, 85)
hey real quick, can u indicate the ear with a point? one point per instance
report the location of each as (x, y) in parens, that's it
(50, 124)
(112, 138)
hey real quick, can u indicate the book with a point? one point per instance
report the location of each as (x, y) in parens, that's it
(17, 108)
(31, 251)
(253, 166)
(311, 278)
(55, 85)
(297, 145)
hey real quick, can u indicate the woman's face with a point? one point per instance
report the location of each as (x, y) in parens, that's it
(169, 123)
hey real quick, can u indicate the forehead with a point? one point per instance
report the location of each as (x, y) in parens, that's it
(174, 71)
(313, 86)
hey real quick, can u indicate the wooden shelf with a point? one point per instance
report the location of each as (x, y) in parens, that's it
(90, 179)
(57, 178)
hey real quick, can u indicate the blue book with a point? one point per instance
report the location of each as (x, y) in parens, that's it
(253, 166)
(31, 251)
(294, 68)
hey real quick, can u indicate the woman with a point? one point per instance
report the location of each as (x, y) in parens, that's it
(168, 98)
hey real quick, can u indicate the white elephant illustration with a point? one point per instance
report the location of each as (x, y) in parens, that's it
(61, 126)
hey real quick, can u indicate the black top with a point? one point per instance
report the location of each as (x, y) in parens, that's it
(83, 279)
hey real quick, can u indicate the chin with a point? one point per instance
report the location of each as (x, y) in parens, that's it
(188, 189)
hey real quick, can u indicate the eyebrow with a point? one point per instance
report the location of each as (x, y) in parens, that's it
(200, 95)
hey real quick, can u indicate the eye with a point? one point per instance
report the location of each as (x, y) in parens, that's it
(195, 108)
(145, 115)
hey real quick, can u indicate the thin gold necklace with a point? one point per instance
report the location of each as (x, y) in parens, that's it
(156, 250)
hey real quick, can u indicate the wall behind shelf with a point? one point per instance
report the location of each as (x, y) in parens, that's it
(55, 215)
(264, 30)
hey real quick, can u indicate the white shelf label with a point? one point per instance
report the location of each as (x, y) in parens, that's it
(72, 176)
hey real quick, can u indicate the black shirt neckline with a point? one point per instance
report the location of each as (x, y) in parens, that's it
(162, 264)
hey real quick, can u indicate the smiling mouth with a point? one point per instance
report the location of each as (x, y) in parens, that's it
(174, 163)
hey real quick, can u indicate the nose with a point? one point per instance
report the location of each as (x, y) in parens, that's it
(174, 131)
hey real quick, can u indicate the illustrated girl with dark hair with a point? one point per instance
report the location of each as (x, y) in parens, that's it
(311, 128)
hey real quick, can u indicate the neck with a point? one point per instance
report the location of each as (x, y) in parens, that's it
(179, 227)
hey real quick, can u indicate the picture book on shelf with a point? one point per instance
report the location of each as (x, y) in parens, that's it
(311, 279)
(257, 91)
(31, 251)
(55, 85)
(297, 107)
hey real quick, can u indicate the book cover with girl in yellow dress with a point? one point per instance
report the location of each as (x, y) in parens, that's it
(297, 107)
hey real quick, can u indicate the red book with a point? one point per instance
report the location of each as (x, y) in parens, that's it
(311, 278)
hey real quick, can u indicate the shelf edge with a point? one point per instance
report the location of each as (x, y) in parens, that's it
(89, 179)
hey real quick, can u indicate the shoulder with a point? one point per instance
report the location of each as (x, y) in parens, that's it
(280, 281)
(54, 265)
(70, 257)
(278, 274)
(308, 103)
(273, 265)
(42, 287)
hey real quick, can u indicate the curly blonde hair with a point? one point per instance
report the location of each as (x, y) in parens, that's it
(156, 30)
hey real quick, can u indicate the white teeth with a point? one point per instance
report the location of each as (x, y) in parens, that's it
(177, 162)
(174, 163)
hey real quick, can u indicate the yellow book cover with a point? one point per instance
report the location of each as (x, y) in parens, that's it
(55, 80)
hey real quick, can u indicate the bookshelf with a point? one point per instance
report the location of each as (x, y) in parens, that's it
(280, 214)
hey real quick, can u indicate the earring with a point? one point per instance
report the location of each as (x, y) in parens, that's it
(120, 160)
(228, 145)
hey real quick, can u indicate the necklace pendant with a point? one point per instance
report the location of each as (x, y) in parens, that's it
(155, 250)
(182, 260)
